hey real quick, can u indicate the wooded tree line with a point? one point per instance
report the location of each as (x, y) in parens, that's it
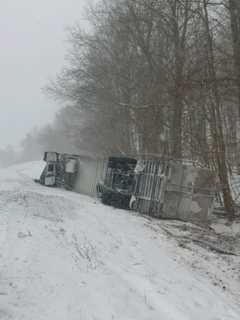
(156, 77)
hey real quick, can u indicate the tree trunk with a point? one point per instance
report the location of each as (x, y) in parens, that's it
(234, 8)
(216, 121)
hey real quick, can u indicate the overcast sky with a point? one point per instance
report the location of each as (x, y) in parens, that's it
(32, 35)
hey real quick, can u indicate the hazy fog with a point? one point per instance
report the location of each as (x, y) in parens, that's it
(32, 34)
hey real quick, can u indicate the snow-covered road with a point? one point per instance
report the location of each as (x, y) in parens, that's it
(64, 256)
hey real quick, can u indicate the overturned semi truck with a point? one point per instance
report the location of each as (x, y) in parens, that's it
(157, 187)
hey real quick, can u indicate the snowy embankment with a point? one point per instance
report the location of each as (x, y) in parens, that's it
(64, 256)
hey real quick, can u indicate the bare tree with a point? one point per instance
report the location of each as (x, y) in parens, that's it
(234, 8)
(153, 77)
(216, 118)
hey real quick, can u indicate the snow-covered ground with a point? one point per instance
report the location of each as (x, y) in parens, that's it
(64, 256)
